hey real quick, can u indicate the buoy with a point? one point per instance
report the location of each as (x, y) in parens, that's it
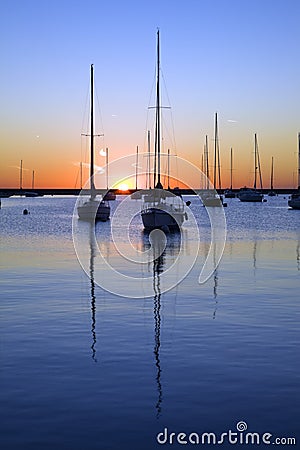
(25, 212)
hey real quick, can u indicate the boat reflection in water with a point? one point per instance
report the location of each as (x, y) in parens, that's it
(160, 251)
(93, 248)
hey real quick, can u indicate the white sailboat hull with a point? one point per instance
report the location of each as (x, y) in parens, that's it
(211, 198)
(93, 210)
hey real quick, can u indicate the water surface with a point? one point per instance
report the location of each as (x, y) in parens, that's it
(85, 369)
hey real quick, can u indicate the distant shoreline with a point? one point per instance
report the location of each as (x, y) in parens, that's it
(8, 192)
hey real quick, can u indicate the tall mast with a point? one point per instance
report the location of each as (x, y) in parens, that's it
(32, 186)
(158, 185)
(92, 134)
(215, 153)
(255, 160)
(217, 156)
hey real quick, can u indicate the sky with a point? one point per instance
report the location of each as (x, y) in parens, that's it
(237, 58)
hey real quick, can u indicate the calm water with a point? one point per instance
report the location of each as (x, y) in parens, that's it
(84, 369)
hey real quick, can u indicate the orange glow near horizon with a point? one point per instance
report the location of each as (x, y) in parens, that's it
(123, 187)
(48, 173)
(69, 177)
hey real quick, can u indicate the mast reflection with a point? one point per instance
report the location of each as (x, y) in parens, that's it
(161, 249)
(215, 293)
(298, 253)
(157, 270)
(216, 279)
(93, 246)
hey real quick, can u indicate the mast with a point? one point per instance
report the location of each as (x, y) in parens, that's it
(202, 169)
(106, 153)
(21, 175)
(231, 168)
(80, 174)
(255, 160)
(272, 169)
(259, 169)
(206, 161)
(92, 134)
(217, 156)
(32, 186)
(257, 164)
(215, 153)
(299, 161)
(158, 184)
(136, 167)
(148, 164)
(168, 169)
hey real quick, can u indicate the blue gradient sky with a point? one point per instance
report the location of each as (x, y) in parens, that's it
(239, 58)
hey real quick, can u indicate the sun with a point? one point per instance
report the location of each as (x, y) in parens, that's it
(123, 187)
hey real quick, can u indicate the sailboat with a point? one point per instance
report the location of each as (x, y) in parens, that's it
(272, 193)
(228, 193)
(161, 209)
(210, 197)
(294, 201)
(252, 195)
(93, 209)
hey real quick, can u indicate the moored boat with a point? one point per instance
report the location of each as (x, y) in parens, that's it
(93, 208)
(294, 201)
(161, 209)
(250, 195)
(253, 195)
